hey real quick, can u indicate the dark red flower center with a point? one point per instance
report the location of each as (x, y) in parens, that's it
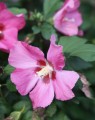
(1, 35)
(2, 27)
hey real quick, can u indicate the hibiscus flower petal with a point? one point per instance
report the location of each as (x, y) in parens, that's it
(3, 47)
(75, 17)
(17, 21)
(2, 6)
(68, 77)
(11, 20)
(60, 14)
(42, 95)
(64, 25)
(67, 19)
(75, 3)
(68, 28)
(5, 15)
(25, 56)
(10, 38)
(68, 4)
(62, 87)
(55, 55)
(24, 79)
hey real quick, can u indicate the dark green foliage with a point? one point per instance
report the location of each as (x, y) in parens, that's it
(79, 53)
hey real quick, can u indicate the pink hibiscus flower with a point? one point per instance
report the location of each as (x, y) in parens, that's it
(2, 6)
(9, 26)
(39, 77)
(68, 18)
(71, 5)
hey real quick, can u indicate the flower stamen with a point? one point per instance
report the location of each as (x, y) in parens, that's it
(47, 70)
(69, 19)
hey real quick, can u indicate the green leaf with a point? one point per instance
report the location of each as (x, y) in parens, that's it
(61, 116)
(1, 116)
(66, 118)
(8, 69)
(86, 12)
(86, 24)
(50, 6)
(47, 30)
(71, 43)
(18, 10)
(51, 110)
(90, 74)
(4, 108)
(27, 115)
(77, 63)
(76, 46)
(36, 29)
(19, 105)
(15, 115)
(10, 86)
